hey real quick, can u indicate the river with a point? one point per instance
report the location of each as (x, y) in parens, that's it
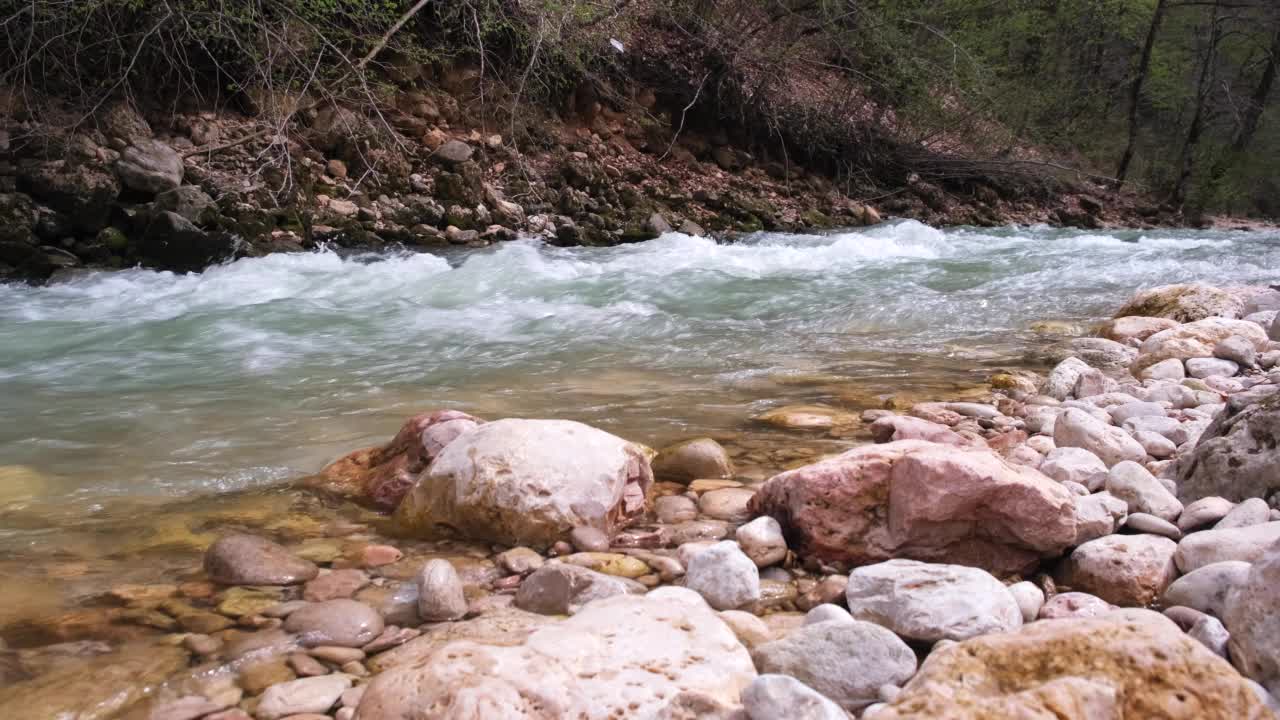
(129, 394)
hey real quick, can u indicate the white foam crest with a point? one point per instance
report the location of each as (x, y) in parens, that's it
(149, 295)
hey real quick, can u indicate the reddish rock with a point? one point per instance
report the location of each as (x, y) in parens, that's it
(378, 555)
(903, 427)
(334, 585)
(1073, 605)
(381, 476)
(922, 501)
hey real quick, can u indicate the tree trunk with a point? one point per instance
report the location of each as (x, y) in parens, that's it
(1135, 92)
(1253, 113)
(1186, 159)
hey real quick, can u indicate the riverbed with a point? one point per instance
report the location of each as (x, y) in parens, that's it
(143, 409)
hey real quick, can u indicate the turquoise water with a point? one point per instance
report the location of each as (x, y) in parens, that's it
(155, 384)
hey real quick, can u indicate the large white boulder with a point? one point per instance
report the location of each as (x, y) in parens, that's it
(931, 601)
(624, 656)
(1253, 618)
(527, 482)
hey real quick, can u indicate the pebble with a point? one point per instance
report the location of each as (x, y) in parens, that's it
(825, 612)
(781, 697)
(201, 644)
(440, 592)
(1142, 492)
(372, 556)
(391, 637)
(1030, 599)
(306, 695)
(242, 559)
(762, 541)
(1201, 368)
(189, 707)
(1206, 589)
(1073, 604)
(520, 560)
(695, 530)
(589, 539)
(335, 622)
(306, 666)
(336, 655)
(1203, 513)
(724, 576)
(931, 601)
(675, 509)
(845, 661)
(335, 584)
(1253, 511)
(728, 504)
(1145, 523)
(751, 630)
(1211, 633)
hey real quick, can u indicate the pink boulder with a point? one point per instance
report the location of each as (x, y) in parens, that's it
(904, 427)
(922, 501)
(381, 476)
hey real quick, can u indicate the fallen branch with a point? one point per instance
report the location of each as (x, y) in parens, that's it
(386, 37)
(209, 149)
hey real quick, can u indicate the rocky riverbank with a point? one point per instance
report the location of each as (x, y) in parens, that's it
(183, 189)
(1100, 541)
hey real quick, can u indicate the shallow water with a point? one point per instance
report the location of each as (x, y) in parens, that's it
(125, 391)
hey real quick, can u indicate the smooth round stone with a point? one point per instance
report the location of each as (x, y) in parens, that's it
(674, 509)
(1201, 368)
(1030, 599)
(825, 612)
(440, 592)
(1146, 523)
(728, 504)
(243, 559)
(520, 560)
(614, 564)
(346, 623)
(589, 539)
(1073, 604)
(724, 576)
(1204, 512)
(762, 541)
(751, 630)
(306, 695)
(335, 584)
(692, 459)
(697, 530)
(1253, 511)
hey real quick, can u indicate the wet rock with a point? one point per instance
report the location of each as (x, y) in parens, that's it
(762, 541)
(1207, 588)
(1102, 353)
(372, 556)
(724, 576)
(381, 476)
(190, 707)
(673, 509)
(781, 697)
(346, 623)
(1184, 303)
(692, 459)
(520, 560)
(251, 560)
(1252, 614)
(305, 695)
(440, 595)
(588, 539)
(599, 663)
(240, 601)
(1128, 570)
(94, 687)
(728, 504)
(1126, 664)
(1142, 492)
(1246, 544)
(306, 666)
(615, 564)
(698, 530)
(845, 661)
(335, 584)
(562, 589)
(1237, 455)
(922, 501)
(930, 602)
(807, 417)
(1030, 599)
(1074, 605)
(173, 242)
(1077, 428)
(150, 165)
(904, 427)
(527, 482)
